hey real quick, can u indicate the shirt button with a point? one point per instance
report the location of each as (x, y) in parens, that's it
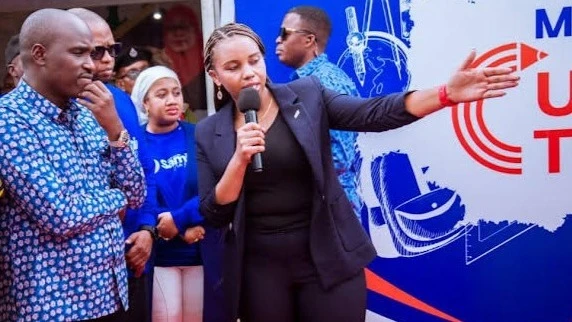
(230, 226)
(323, 197)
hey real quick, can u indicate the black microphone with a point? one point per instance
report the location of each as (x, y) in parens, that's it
(249, 103)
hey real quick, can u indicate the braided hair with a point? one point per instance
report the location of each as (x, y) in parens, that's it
(224, 32)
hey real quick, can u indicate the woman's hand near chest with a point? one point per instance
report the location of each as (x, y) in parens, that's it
(249, 141)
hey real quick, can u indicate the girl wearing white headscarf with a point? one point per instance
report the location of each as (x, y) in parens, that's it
(178, 281)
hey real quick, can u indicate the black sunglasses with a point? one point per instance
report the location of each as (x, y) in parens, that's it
(99, 51)
(284, 32)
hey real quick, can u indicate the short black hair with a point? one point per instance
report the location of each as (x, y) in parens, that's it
(317, 21)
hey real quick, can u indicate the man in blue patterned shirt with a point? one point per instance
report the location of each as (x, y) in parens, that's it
(69, 174)
(301, 44)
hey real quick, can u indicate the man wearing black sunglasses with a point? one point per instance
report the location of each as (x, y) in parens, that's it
(138, 224)
(301, 44)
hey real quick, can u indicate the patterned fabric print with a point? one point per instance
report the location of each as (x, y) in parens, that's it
(343, 142)
(61, 242)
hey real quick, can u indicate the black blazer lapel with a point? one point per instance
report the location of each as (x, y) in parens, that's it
(296, 116)
(224, 145)
(225, 136)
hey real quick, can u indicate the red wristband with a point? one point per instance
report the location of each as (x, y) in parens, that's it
(443, 98)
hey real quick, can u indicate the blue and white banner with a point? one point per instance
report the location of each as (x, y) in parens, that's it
(469, 208)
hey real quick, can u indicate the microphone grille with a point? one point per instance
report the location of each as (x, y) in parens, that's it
(248, 99)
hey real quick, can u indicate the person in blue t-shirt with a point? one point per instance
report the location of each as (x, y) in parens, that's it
(138, 224)
(178, 281)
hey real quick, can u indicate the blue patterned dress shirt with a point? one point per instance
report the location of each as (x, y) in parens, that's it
(343, 142)
(61, 241)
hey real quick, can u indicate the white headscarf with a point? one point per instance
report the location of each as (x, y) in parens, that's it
(142, 85)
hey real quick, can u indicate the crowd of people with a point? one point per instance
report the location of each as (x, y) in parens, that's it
(114, 208)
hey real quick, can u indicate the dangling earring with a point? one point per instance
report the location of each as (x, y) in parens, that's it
(219, 93)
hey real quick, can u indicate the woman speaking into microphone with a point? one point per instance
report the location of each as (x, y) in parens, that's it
(294, 250)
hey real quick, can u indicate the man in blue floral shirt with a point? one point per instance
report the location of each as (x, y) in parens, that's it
(301, 44)
(69, 174)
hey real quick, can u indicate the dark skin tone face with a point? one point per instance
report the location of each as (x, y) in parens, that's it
(123, 78)
(299, 47)
(58, 63)
(237, 64)
(102, 36)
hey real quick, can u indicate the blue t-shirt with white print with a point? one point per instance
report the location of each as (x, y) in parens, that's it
(177, 191)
